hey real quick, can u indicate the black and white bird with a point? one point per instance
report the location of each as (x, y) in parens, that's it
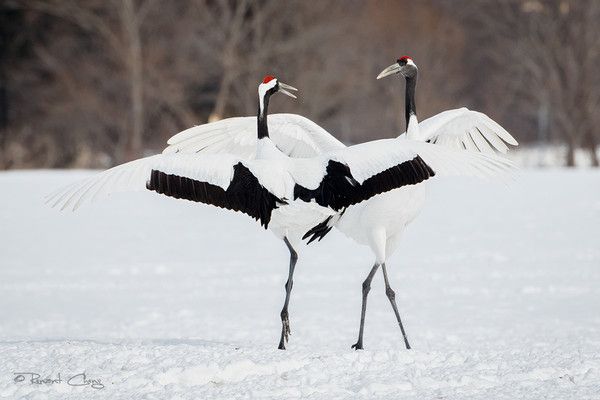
(380, 221)
(287, 195)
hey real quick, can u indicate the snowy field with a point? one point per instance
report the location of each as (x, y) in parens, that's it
(155, 298)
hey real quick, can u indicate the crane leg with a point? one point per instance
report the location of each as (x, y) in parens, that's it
(366, 287)
(391, 295)
(285, 320)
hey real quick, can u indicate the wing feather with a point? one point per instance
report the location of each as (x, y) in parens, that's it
(293, 134)
(463, 128)
(106, 182)
(245, 193)
(220, 180)
(359, 172)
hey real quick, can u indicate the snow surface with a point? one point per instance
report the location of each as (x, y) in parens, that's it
(499, 289)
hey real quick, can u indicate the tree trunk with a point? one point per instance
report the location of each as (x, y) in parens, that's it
(592, 146)
(594, 157)
(3, 117)
(570, 158)
(230, 60)
(222, 97)
(3, 97)
(133, 142)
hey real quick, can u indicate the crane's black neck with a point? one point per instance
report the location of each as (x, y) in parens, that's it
(263, 130)
(410, 104)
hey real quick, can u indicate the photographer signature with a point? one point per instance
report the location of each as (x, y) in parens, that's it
(34, 378)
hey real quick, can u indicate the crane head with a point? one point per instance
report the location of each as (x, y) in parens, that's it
(270, 85)
(404, 65)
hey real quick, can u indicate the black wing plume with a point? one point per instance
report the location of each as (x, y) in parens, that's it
(244, 194)
(339, 189)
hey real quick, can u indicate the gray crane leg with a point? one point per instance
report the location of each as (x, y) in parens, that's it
(366, 286)
(391, 295)
(285, 321)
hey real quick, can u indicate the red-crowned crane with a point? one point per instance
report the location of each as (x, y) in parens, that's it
(289, 196)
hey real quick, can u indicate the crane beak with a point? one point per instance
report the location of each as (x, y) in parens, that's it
(392, 69)
(283, 88)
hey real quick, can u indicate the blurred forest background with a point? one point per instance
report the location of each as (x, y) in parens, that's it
(91, 83)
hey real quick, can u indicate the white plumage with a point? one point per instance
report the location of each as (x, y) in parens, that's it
(278, 176)
(450, 129)
(467, 129)
(133, 176)
(295, 135)
(299, 137)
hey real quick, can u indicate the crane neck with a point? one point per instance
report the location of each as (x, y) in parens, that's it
(265, 148)
(412, 124)
(263, 105)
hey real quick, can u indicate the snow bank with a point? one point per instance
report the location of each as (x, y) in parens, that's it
(499, 289)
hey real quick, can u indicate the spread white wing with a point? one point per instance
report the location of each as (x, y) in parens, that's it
(294, 135)
(131, 176)
(357, 173)
(135, 175)
(366, 160)
(466, 129)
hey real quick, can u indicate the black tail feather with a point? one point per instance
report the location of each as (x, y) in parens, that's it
(319, 231)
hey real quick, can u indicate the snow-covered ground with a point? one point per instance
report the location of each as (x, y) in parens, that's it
(499, 288)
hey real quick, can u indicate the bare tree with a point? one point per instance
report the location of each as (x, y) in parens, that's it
(117, 26)
(546, 53)
(131, 19)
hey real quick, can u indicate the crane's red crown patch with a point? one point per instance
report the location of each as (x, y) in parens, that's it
(404, 58)
(268, 78)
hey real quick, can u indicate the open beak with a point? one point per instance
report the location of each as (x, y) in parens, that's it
(283, 88)
(392, 69)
